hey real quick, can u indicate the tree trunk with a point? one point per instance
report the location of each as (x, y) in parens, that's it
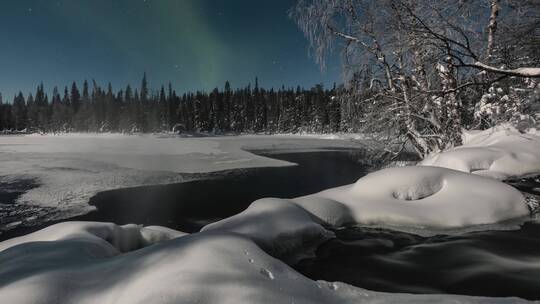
(452, 104)
(492, 28)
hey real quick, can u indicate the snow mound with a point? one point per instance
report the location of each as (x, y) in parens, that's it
(500, 153)
(118, 238)
(425, 196)
(278, 226)
(327, 211)
(205, 268)
(429, 197)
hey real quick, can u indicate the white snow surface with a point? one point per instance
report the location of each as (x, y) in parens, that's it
(104, 263)
(423, 196)
(279, 227)
(234, 260)
(71, 168)
(524, 71)
(501, 152)
(121, 238)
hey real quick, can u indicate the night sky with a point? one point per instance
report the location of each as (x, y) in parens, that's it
(195, 44)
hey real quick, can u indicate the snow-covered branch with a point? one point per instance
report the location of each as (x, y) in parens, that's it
(528, 72)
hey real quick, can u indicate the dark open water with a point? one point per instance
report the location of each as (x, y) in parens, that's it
(190, 206)
(488, 263)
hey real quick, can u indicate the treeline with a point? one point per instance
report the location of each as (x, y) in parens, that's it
(249, 109)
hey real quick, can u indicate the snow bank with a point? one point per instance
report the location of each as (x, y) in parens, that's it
(499, 153)
(414, 197)
(205, 268)
(326, 211)
(279, 227)
(420, 196)
(121, 238)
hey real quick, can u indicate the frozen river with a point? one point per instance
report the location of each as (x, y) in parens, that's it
(48, 178)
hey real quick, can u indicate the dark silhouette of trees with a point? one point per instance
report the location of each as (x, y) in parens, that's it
(242, 110)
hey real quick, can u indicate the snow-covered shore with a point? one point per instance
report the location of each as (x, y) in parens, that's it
(69, 169)
(500, 153)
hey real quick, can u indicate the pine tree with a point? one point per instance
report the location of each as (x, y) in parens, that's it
(126, 115)
(111, 110)
(75, 98)
(57, 111)
(241, 110)
(163, 115)
(40, 110)
(144, 89)
(20, 112)
(228, 106)
(6, 115)
(142, 108)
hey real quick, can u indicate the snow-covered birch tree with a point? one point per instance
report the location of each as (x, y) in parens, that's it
(429, 59)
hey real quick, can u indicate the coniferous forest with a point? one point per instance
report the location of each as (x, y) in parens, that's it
(251, 109)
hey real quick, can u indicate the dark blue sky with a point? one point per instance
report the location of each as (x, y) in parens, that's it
(195, 44)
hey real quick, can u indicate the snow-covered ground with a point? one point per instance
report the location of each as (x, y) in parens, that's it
(234, 260)
(103, 263)
(501, 152)
(71, 168)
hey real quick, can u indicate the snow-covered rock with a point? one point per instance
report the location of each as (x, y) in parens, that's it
(280, 227)
(430, 197)
(421, 196)
(501, 152)
(81, 266)
(121, 238)
(326, 211)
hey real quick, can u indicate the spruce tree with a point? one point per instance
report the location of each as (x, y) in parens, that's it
(19, 112)
(75, 98)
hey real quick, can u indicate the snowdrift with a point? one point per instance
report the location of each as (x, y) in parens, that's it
(279, 227)
(420, 196)
(500, 153)
(84, 264)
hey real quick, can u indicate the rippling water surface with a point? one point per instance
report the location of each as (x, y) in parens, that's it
(488, 263)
